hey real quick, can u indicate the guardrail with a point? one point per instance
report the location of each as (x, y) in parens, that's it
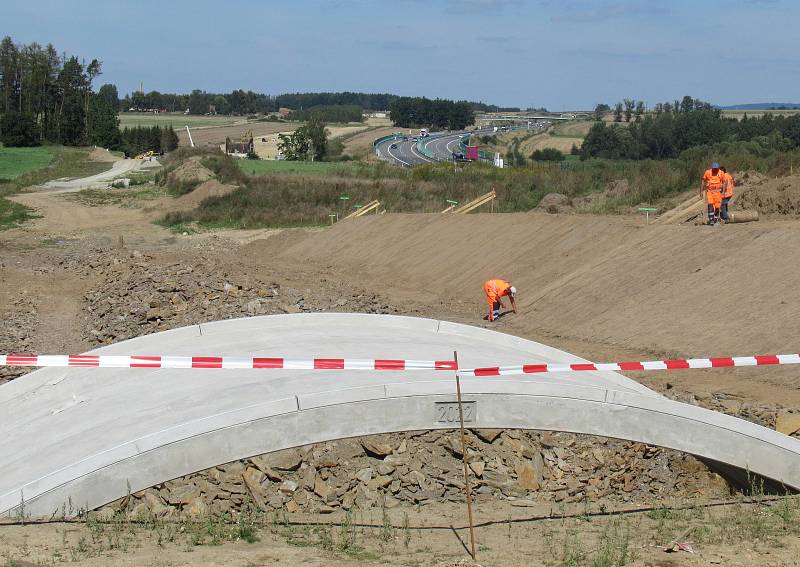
(423, 150)
(383, 139)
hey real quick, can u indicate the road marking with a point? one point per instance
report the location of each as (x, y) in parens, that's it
(422, 156)
(389, 151)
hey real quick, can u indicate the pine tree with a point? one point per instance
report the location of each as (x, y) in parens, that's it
(104, 124)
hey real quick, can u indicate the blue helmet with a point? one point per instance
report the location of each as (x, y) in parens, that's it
(715, 165)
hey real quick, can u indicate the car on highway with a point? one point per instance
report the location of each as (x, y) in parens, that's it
(393, 147)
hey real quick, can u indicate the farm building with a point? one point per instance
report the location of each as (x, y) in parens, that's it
(241, 148)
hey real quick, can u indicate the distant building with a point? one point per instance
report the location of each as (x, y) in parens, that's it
(284, 112)
(240, 149)
(377, 114)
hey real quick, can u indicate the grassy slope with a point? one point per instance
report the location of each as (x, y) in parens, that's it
(67, 162)
(260, 167)
(18, 161)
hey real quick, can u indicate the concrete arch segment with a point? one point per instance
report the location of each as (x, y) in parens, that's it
(86, 435)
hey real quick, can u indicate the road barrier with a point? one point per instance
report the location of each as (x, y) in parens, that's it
(233, 362)
(424, 150)
(383, 139)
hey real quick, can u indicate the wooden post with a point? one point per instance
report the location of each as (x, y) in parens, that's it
(467, 488)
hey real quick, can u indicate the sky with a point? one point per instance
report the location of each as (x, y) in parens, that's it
(560, 54)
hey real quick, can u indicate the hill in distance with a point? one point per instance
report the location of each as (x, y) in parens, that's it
(763, 106)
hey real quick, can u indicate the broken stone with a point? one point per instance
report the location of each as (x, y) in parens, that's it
(287, 460)
(379, 482)
(253, 479)
(375, 448)
(526, 476)
(321, 488)
(197, 508)
(183, 494)
(364, 474)
(385, 469)
(262, 465)
(788, 423)
(487, 435)
(477, 467)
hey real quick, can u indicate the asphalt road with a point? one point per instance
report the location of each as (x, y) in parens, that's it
(439, 145)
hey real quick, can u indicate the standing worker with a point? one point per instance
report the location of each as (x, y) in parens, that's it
(495, 290)
(711, 189)
(727, 194)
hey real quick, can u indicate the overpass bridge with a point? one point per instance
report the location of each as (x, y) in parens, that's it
(87, 436)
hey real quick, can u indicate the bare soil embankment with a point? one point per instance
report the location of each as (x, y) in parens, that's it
(666, 290)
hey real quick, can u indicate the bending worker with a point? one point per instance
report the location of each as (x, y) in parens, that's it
(711, 189)
(727, 194)
(495, 290)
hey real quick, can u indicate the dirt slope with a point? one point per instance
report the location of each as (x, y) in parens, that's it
(774, 197)
(668, 290)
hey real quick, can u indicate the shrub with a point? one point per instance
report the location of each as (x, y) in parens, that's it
(18, 130)
(547, 154)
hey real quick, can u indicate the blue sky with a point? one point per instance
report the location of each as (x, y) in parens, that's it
(565, 54)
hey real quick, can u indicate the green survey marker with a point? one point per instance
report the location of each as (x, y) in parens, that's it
(451, 202)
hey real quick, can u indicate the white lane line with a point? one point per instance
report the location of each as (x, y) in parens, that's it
(389, 151)
(415, 152)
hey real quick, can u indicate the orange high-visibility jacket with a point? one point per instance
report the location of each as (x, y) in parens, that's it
(495, 289)
(714, 182)
(727, 191)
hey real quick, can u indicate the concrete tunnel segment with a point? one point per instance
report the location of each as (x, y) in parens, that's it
(88, 436)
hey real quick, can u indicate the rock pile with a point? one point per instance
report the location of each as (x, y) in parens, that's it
(17, 326)
(141, 296)
(425, 467)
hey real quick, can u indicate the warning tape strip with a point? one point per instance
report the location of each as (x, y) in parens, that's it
(677, 364)
(228, 362)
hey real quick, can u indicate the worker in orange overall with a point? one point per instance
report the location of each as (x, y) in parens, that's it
(727, 195)
(495, 290)
(711, 189)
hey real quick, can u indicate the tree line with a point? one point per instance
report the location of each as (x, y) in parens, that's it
(674, 127)
(45, 96)
(330, 113)
(439, 114)
(140, 139)
(237, 102)
(367, 101)
(242, 103)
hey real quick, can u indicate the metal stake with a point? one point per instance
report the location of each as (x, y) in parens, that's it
(467, 488)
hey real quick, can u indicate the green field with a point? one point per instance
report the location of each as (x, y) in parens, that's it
(18, 161)
(260, 167)
(177, 119)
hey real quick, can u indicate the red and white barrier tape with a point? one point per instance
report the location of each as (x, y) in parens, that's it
(678, 364)
(115, 361)
(231, 362)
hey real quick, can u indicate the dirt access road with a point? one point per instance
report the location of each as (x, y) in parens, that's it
(604, 288)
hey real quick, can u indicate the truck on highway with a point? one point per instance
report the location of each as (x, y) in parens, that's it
(423, 132)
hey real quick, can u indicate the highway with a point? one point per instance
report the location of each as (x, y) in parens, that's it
(437, 147)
